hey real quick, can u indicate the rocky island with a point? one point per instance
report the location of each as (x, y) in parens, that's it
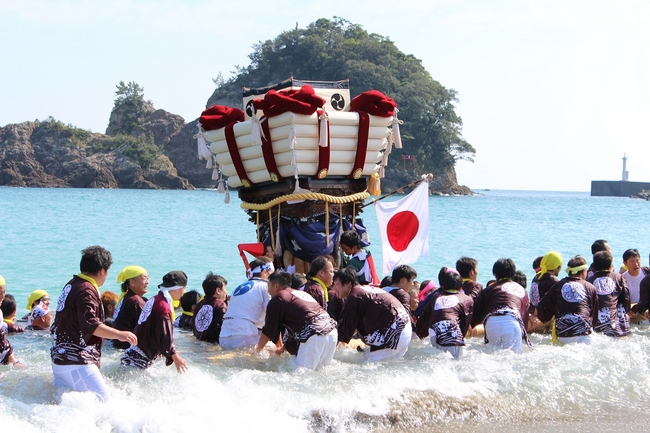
(143, 147)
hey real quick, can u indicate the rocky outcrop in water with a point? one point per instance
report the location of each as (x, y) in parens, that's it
(645, 195)
(51, 154)
(155, 150)
(443, 183)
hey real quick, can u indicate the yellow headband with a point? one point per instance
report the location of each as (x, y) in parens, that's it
(2, 281)
(572, 271)
(130, 272)
(550, 261)
(35, 296)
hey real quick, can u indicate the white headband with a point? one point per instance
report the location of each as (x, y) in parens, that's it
(264, 267)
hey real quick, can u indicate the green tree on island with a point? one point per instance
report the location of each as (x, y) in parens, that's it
(126, 125)
(129, 110)
(131, 93)
(335, 49)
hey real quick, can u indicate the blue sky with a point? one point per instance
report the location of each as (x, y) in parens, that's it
(552, 93)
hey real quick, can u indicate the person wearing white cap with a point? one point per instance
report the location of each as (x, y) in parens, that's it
(155, 328)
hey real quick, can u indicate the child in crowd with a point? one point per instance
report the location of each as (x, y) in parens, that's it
(6, 349)
(401, 282)
(38, 304)
(298, 280)
(212, 308)
(599, 245)
(521, 279)
(189, 300)
(537, 264)
(413, 294)
(467, 267)
(9, 309)
(109, 302)
(359, 257)
(428, 287)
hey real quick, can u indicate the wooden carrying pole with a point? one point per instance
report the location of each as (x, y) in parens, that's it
(401, 189)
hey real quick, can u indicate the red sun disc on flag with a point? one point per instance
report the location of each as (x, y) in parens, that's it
(402, 229)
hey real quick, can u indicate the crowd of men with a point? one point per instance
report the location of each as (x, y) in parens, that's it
(309, 315)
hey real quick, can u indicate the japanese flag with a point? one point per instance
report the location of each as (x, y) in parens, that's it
(404, 228)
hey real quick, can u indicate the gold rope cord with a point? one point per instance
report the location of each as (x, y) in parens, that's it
(258, 225)
(306, 196)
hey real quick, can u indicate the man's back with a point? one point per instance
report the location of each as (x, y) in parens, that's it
(247, 307)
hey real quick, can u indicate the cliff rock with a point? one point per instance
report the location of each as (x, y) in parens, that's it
(51, 154)
(443, 183)
(150, 149)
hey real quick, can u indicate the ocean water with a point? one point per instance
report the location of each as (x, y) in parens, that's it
(604, 387)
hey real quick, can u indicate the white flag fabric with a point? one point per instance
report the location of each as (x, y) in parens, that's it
(404, 228)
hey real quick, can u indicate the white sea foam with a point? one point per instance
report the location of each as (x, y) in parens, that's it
(552, 388)
(573, 383)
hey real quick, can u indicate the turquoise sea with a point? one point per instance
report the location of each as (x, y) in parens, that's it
(571, 388)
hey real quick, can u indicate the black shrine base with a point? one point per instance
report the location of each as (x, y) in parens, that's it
(334, 186)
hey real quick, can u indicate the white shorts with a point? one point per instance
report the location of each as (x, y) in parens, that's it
(318, 350)
(398, 352)
(584, 339)
(504, 332)
(83, 378)
(237, 341)
(456, 351)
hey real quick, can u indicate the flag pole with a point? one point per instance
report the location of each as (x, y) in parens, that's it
(426, 177)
